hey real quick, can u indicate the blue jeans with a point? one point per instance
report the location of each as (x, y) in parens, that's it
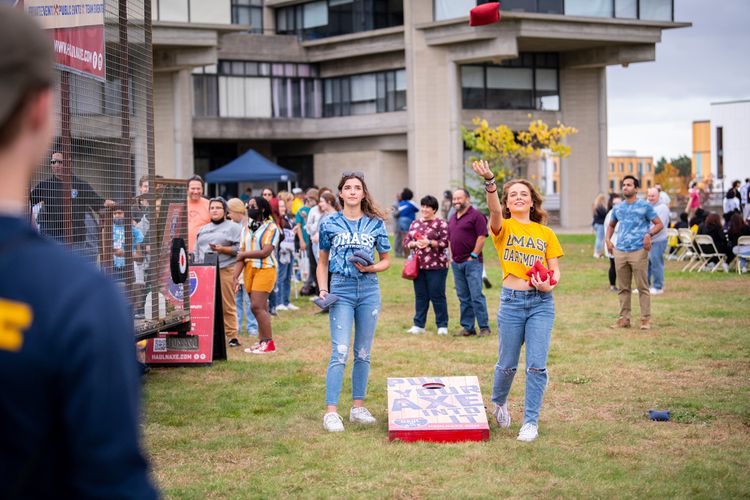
(283, 283)
(599, 243)
(242, 299)
(358, 305)
(430, 287)
(656, 264)
(467, 277)
(524, 317)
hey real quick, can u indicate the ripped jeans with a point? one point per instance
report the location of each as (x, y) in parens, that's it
(358, 305)
(524, 317)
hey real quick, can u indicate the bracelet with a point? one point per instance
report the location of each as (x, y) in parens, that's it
(490, 192)
(474, 255)
(488, 182)
(321, 290)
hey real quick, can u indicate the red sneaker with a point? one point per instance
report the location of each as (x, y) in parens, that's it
(265, 347)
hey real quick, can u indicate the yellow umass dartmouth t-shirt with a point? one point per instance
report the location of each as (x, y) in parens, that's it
(520, 245)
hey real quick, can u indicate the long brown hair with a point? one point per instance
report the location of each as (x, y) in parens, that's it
(537, 214)
(368, 206)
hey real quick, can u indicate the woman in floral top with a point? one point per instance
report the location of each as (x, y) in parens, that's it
(428, 238)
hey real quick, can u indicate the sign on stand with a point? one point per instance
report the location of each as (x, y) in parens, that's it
(439, 409)
(205, 342)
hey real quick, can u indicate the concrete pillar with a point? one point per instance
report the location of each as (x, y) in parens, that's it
(583, 95)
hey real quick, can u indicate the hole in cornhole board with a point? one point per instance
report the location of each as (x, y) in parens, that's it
(433, 385)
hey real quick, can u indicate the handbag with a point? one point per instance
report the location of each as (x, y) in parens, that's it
(411, 267)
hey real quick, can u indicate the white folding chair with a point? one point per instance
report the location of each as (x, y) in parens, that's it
(707, 251)
(742, 241)
(685, 249)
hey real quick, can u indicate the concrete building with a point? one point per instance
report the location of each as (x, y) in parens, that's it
(622, 163)
(730, 130)
(384, 86)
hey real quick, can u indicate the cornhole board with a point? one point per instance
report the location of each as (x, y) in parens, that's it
(438, 409)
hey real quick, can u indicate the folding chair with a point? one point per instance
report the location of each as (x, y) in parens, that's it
(741, 241)
(685, 249)
(707, 251)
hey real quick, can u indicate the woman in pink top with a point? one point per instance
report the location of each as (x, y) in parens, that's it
(695, 199)
(428, 237)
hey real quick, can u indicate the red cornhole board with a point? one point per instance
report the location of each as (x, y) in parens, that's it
(438, 409)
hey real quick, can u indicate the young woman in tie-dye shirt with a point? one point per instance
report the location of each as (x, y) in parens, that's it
(358, 227)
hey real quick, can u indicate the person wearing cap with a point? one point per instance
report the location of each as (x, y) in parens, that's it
(222, 236)
(70, 397)
(299, 200)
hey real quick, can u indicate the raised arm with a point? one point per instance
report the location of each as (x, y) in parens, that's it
(482, 169)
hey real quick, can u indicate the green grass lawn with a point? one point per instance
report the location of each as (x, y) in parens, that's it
(252, 426)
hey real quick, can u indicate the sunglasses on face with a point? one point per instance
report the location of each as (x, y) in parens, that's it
(357, 174)
(55, 162)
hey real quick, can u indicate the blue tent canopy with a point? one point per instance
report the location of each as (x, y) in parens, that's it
(250, 167)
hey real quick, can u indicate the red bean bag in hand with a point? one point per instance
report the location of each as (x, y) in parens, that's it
(487, 13)
(541, 273)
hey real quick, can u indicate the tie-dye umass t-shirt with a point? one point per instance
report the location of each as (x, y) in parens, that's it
(341, 237)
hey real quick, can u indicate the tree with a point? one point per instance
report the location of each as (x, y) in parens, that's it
(511, 154)
(684, 166)
(660, 165)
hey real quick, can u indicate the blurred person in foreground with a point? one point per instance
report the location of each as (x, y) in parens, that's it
(70, 398)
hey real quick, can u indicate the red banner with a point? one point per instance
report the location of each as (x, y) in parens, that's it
(81, 49)
(197, 347)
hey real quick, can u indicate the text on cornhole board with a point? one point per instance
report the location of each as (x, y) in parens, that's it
(441, 409)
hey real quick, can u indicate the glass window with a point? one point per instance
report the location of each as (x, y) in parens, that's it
(238, 68)
(400, 90)
(248, 12)
(315, 14)
(205, 95)
(656, 10)
(451, 9)
(622, 167)
(626, 9)
(363, 94)
(611, 167)
(550, 7)
(519, 5)
(588, 8)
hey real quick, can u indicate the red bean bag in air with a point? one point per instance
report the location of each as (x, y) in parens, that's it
(487, 13)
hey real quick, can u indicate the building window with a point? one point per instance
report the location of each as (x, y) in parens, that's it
(611, 167)
(248, 12)
(365, 94)
(530, 81)
(648, 167)
(324, 18)
(248, 89)
(622, 167)
(648, 10)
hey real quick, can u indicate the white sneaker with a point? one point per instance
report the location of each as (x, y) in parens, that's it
(528, 432)
(725, 266)
(292, 307)
(442, 331)
(361, 415)
(502, 415)
(656, 291)
(282, 307)
(332, 422)
(415, 330)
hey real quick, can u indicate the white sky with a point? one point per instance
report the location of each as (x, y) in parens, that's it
(651, 106)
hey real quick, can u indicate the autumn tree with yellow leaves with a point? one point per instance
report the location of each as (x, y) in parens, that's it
(511, 153)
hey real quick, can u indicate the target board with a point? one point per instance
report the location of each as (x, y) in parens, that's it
(439, 409)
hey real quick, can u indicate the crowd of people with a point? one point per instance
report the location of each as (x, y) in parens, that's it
(636, 241)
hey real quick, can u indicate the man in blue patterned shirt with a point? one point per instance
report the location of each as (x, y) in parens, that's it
(631, 252)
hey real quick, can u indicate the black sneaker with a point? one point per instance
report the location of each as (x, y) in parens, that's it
(234, 343)
(464, 333)
(486, 281)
